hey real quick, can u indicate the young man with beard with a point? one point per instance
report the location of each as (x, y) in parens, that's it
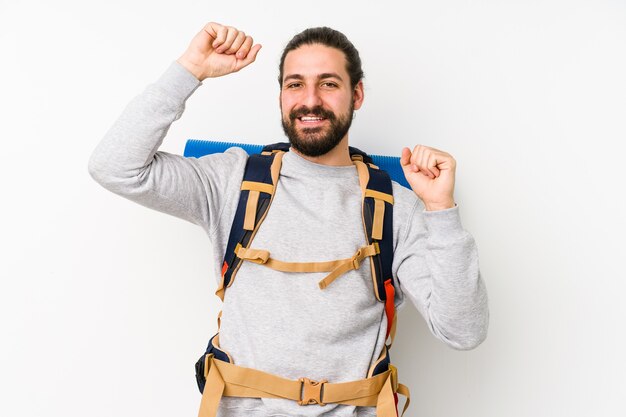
(277, 322)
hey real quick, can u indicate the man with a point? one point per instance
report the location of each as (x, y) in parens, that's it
(281, 323)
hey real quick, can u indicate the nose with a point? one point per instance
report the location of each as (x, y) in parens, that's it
(311, 97)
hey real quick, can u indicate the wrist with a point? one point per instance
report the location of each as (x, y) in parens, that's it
(193, 69)
(439, 206)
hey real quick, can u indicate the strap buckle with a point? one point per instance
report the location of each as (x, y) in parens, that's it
(311, 391)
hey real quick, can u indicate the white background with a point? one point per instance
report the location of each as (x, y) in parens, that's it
(105, 305)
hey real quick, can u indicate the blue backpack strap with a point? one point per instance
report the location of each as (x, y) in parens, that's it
(257, 190)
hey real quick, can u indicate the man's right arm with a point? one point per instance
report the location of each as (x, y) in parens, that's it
(127, 162)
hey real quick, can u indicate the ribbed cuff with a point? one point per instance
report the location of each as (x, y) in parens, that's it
(444, 224)
(177, 82)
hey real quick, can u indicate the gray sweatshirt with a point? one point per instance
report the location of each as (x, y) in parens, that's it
(282, 322)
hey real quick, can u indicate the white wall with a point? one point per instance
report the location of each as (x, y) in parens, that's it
(105, 305)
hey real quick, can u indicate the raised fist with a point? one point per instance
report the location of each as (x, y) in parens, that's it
(218, 50)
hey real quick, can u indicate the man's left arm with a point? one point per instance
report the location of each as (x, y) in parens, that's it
(436, 259)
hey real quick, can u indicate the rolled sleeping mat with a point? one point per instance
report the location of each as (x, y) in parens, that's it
(197, 148)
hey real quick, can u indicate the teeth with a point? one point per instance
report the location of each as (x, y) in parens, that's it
(310, 119)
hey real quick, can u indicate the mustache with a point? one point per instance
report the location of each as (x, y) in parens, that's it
(318, 111)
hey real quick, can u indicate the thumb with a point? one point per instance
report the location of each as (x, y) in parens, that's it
(405, 159)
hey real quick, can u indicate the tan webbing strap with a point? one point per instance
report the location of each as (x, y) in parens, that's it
(379, 206)
(213, 389)
(379, 216)
(363, 392)
(258, 186)
(262, 257)
(364, 175)
(404, 390)
(261, 383)
(254, 190)
(379, 196)
(227, 379)
(258, 256)
(251, 206)
(379, 211)
(350, 264)
(386, 400)
(276, 164)
(220, 289)
(336, 268)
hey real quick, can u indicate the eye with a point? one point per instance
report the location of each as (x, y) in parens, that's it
(293, 85)
(329, 84)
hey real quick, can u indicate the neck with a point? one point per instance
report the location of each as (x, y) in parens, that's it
(338, 156)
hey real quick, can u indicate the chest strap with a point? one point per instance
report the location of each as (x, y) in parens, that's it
(227, 379)
(336, 268)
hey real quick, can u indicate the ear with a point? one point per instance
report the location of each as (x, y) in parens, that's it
(358, 95)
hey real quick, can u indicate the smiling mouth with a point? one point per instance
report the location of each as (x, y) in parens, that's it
(311, 119)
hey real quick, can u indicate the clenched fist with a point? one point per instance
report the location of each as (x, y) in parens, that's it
(218, 50)
(430, 173)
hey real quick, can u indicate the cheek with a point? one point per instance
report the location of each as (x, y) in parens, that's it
(288, 102)
(340, 106)
(284, 109)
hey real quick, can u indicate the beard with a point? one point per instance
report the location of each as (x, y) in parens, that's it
(314, 141)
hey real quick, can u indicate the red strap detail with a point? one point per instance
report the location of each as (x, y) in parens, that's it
(224, 268)
(395, 397)
(390, 307)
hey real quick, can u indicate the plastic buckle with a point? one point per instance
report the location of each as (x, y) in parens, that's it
(311, 391)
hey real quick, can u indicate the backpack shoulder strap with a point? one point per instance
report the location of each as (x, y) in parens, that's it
(377, 192)
(280, 146)
(257, 192)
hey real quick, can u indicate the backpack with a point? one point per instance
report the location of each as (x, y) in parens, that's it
(216, 373)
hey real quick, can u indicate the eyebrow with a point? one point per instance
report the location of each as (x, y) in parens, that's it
(322, 76)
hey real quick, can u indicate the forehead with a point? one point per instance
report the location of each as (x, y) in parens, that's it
(312, 60)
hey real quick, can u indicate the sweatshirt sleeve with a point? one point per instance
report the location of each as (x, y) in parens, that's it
(127, 161)
(436, 264)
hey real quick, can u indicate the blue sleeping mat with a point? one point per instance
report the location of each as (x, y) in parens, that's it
(197, 148)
